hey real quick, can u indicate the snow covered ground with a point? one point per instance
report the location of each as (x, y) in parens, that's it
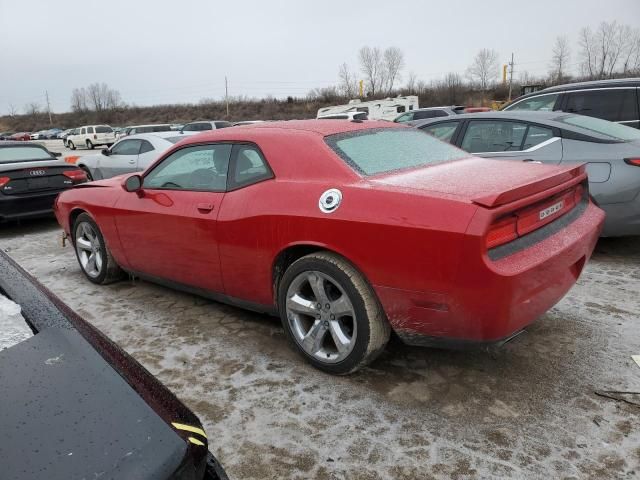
(13, 328)
(531, 409)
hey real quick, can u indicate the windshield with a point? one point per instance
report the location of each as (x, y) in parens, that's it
(603, 127)
(17, 154)
(383, 150)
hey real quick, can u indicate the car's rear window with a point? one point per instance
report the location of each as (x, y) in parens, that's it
(104, 130)
(381, 150)
(603, 127)
(18, 154)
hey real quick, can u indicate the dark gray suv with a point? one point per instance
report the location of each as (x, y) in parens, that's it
(613, 100)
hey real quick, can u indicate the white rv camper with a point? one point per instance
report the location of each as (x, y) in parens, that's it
(385, 109)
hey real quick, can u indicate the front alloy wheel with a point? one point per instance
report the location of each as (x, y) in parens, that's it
(93, 255)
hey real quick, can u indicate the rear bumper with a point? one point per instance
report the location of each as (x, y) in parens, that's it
(622, 218)
(491, 300)
(30, 205)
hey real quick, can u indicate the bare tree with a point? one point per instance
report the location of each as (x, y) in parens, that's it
(484, 68)
(102, 98)
(602, 50)
(371, 65)
(348, 82)
(411, 86)
(12, 110)
(79, 100)
(32, 109)
(560, 59)
(393, 60)
(631, 54)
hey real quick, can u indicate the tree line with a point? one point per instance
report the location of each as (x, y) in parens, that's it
(609, 50)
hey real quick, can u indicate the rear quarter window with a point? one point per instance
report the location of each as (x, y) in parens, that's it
(615, 105)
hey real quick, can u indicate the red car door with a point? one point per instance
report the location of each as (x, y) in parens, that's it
(169, 229)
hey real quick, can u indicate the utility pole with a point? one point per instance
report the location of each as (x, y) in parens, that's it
(226, 94)
(510, 76)
(46, 94)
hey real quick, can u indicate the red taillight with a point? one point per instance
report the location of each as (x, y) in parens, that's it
(502, 231)
(4, 181)
(578, 194)
(633, 161)
(95, 137)
(75, 175)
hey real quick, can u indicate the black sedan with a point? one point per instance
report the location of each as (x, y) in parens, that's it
(75, 405)
(31, 177)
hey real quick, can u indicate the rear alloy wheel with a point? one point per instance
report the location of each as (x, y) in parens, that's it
(90, 145)
(93, 255)
(331, 314)
(71, 145)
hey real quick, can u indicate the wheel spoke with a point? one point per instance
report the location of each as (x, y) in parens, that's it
(341, 340)
(312, 341)
(98, 258)
(91, 263)
(83, 243)
(301, 305)
(342, 307)
(317, 285)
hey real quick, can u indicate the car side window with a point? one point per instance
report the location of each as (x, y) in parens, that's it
(249, 167)
(542, 103)
(615, 105)
(442, 131)
(199, 168)
(146, 147)
(126, 147)
(83, 131)
(197, 127)
(536, 135)
(89, 129)
(407, 117)
(493, 136)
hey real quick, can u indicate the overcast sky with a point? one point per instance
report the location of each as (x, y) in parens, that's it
(158, 51)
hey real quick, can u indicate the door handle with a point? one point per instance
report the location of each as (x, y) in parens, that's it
(204, 207)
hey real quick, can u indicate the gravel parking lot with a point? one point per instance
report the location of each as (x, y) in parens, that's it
(539, 407)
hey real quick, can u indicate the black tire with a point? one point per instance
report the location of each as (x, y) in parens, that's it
(87, 172)
(110, 271)
(90, 145)
(71, 145)
(373, 329)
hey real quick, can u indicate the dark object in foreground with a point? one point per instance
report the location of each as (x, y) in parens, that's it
(75, 405)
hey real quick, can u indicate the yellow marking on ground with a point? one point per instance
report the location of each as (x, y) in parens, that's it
(195, 441)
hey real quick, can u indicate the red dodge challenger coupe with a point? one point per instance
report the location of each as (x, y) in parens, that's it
(347, 230)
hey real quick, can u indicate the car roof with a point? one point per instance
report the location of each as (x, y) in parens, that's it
(11, 143)
(549, 119)
(611, 83)
(154, 135)
(322, 127)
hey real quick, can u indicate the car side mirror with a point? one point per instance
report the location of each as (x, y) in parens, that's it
(105, 151)
(56, 154)
(133, 184)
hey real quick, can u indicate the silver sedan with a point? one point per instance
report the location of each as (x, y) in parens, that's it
(610, 150)
(133, 153)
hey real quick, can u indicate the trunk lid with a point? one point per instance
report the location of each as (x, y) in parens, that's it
(486, 182)
(42, 176)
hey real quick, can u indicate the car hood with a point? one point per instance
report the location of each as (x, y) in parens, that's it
(487, 182)
(108, 182)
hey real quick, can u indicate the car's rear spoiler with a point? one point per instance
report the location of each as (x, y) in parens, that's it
(570, 175)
